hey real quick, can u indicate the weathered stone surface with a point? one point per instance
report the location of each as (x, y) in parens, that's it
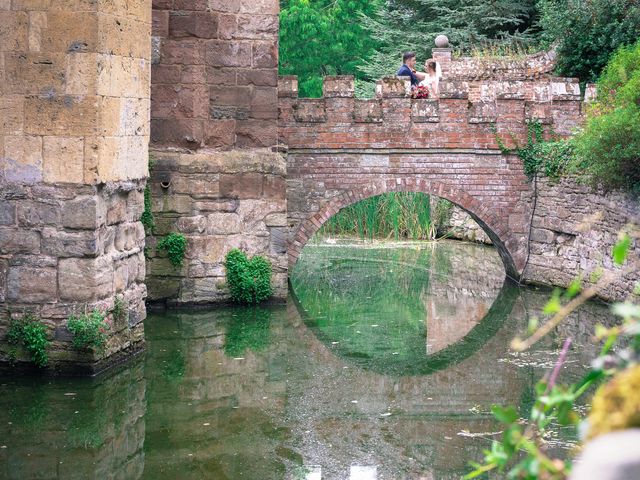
(32, 214)
(84, 280)
(70, 244)
(223, 223)
(31, 285)
(83, 213)
(13, 240)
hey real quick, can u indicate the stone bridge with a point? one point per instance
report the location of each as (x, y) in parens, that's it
(342, 149)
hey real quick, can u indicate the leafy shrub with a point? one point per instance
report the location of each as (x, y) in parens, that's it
(175, 244)
(249, 280)
(89, 330)
(32, 334)
(608, 148)
(588, 32)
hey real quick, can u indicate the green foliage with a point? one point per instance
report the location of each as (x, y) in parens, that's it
(249, 280)
(550, 158)
(403, 25)
(394, 214)
(32, 334)
(587, 33)
(147, 216)
(323, 37)
(89, 330)
(175, 244)
(608, 148)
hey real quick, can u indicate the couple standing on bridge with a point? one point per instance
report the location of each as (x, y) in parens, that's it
(423, 84)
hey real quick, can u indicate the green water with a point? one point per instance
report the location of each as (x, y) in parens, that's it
(383, 365)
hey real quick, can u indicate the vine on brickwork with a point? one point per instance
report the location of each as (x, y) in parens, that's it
(550, 158)
(147, 215)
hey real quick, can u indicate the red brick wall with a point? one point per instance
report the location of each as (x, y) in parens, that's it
(342, 149)
(214, 73)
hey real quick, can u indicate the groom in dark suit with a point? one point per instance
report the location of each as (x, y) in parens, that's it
(408, 69)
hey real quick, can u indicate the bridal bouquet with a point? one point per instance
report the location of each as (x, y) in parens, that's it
(420, 92)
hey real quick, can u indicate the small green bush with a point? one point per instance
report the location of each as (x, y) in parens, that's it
(147, 216)
(608, 148)
(249, 280)
(175, 244)
(32, 334)
(89, 330)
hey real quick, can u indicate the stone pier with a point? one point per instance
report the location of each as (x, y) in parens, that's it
(74, 134)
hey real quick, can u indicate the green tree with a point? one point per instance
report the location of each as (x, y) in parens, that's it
(402, 25)
(323, 37)
(588, 32)
(608, 148)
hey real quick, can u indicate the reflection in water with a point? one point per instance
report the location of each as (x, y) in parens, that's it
(267, 393)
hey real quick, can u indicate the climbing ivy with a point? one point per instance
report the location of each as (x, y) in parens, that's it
(249, 280)
(550, 158)
(32, 334)
(147, 215)
(175, 244)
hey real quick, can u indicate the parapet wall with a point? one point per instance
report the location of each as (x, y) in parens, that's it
(474, 107)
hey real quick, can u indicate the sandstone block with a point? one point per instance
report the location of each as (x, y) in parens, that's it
(70, 244)
(14, 27)
(7, 213)
(64, 116)
(117, 36)
(258, 27)
(274, 188)
(186, 132)
(31, 285)
(228, 54)
(190, 225)
(34, 73)
(135, 205)
(219, 133)
(264, 55)
(70, 31)
(160, 288)
(14, 240)
(160, 23)
(129, 236)
(23, 157)
(32, 214)
(165, 74)
(276, 220)
(223, 223)
(182, 52)
(63, 159)
(121, 277)
(83, 213)
(11, 114)
(85, 279)
(193, 24)
(256, 133)
(260, 77)
(242, 185)
(116, 209)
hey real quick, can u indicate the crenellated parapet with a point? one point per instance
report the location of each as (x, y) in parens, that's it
(474, 107)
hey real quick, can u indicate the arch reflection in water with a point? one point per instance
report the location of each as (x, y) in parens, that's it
(403, 308)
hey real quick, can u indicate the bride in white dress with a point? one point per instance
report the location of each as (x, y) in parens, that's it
(432, 77)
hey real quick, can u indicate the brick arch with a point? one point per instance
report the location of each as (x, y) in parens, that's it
(491, 221)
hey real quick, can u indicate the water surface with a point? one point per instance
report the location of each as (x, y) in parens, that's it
(384, 364)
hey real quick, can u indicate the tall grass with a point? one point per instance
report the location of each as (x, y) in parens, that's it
(391, 215)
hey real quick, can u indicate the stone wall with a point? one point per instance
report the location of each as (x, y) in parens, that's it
(74, 134)
(214, 113)
(214, 73)
(573, 232)
(219, 201)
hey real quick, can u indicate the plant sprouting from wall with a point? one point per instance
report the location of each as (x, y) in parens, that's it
(175, 245)
(249, 280)
(31, 333)
(89, 330)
